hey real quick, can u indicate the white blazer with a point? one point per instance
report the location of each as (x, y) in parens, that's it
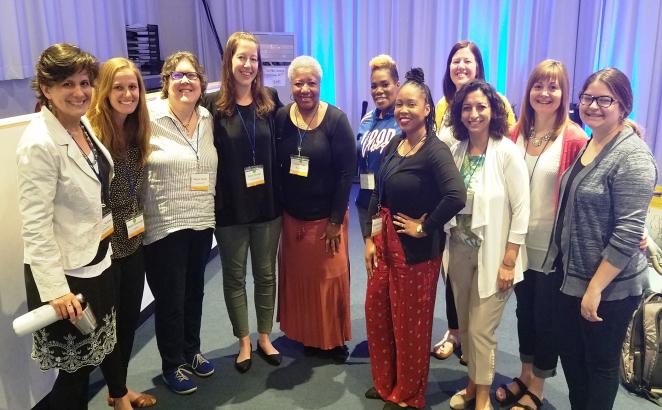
(60, 203)
(500, 212)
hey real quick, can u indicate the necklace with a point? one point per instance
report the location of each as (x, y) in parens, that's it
(537, 141)
(312, 118)
(535, 164)
(184, 124)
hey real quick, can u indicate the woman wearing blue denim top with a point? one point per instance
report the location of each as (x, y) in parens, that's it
(595, 243)
(377, 129)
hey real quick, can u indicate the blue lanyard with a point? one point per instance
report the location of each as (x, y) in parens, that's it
(197, 138)
(301, 135)
(251, 138)
(389, 170)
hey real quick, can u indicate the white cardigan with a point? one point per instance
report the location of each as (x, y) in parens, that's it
(59, 200)
(500, 209)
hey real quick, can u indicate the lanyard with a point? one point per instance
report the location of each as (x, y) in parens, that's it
(90, 163)
(251, 138)
(197, 138)
(301, 135)
(388, 171)
(526, 147)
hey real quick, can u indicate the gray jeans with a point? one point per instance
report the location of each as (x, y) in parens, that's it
(233, 244)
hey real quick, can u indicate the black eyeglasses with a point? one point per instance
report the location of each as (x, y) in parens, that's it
(176, 75)
(603, 101)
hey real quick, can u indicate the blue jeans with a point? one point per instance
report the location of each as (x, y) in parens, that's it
(590, 351)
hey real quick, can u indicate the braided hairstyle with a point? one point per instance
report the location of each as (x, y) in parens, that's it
(416, 78)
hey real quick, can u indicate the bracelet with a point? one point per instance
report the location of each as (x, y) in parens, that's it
(508, 266)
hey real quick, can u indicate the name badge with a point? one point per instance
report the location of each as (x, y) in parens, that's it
(107, 227)
(254, 175)
(135, 226)
(376, 226)
(200, 182)
(299, 165)
(367, 181)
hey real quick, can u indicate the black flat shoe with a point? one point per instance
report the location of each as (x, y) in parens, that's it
(372, 394)
(394, 406)
(338, 354)
(311, 351)
(273, 359)
(244, 365)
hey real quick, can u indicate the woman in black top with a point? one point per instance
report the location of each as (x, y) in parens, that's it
(403, 254)
(316, 155)
(247, 213)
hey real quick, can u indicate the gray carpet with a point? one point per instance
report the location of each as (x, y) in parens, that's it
(311, 383)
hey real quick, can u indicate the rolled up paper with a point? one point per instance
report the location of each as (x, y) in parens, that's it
(37, 319)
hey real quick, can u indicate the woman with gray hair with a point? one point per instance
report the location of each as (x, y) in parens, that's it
(316, 154)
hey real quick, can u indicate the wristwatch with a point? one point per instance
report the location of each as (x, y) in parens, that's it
(419, 228)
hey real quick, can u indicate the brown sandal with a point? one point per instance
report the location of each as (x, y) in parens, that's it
(448, 339)
(142, 401)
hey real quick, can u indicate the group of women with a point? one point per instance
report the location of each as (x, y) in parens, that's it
(111, 190)
(532, 205)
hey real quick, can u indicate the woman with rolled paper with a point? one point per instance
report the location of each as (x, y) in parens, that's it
(64, 175)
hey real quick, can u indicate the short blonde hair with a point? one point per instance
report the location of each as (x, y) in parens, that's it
(385, 62)
(304, 62)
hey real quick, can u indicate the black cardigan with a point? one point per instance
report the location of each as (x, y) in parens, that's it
(426, 182)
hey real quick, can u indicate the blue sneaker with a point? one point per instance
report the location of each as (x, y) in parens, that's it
(201, 366)
(179, 380)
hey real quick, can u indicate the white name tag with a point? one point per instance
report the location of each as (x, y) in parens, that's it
(107, 226)
(200, 182)
(376, 226)
(367, 181)
(299, 165)
(254, 175)
(135, 226)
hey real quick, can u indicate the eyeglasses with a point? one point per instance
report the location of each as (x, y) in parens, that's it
(603, 101)
(176, 75)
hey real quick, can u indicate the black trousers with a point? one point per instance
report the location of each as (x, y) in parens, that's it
(537, 297)
(590, 351)
(129, 285)
(175, 268)
(451, 311)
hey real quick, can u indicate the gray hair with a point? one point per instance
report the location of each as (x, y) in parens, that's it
(304, 62)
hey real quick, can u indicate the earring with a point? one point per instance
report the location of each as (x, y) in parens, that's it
(291, 97)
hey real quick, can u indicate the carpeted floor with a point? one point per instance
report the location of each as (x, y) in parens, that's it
(310, 383)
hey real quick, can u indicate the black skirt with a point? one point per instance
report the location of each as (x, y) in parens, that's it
(61, 345)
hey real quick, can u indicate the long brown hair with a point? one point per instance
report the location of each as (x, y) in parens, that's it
(264, 104)
(100, 113)
(551, 70)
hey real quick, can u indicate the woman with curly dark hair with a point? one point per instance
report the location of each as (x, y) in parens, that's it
(484, 259)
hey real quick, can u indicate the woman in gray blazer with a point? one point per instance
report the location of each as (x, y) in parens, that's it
(64, 175)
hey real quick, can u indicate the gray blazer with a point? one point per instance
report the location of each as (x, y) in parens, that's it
(605, 214)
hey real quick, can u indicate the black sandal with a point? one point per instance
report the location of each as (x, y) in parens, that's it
(536, 401)
(511, 398)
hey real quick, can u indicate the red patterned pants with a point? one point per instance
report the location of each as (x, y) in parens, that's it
(399, 311)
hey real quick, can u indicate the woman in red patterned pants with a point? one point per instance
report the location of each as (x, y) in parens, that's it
(403, 253)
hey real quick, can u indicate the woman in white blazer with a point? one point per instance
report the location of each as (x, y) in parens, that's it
(64, 175)
(484, 259)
